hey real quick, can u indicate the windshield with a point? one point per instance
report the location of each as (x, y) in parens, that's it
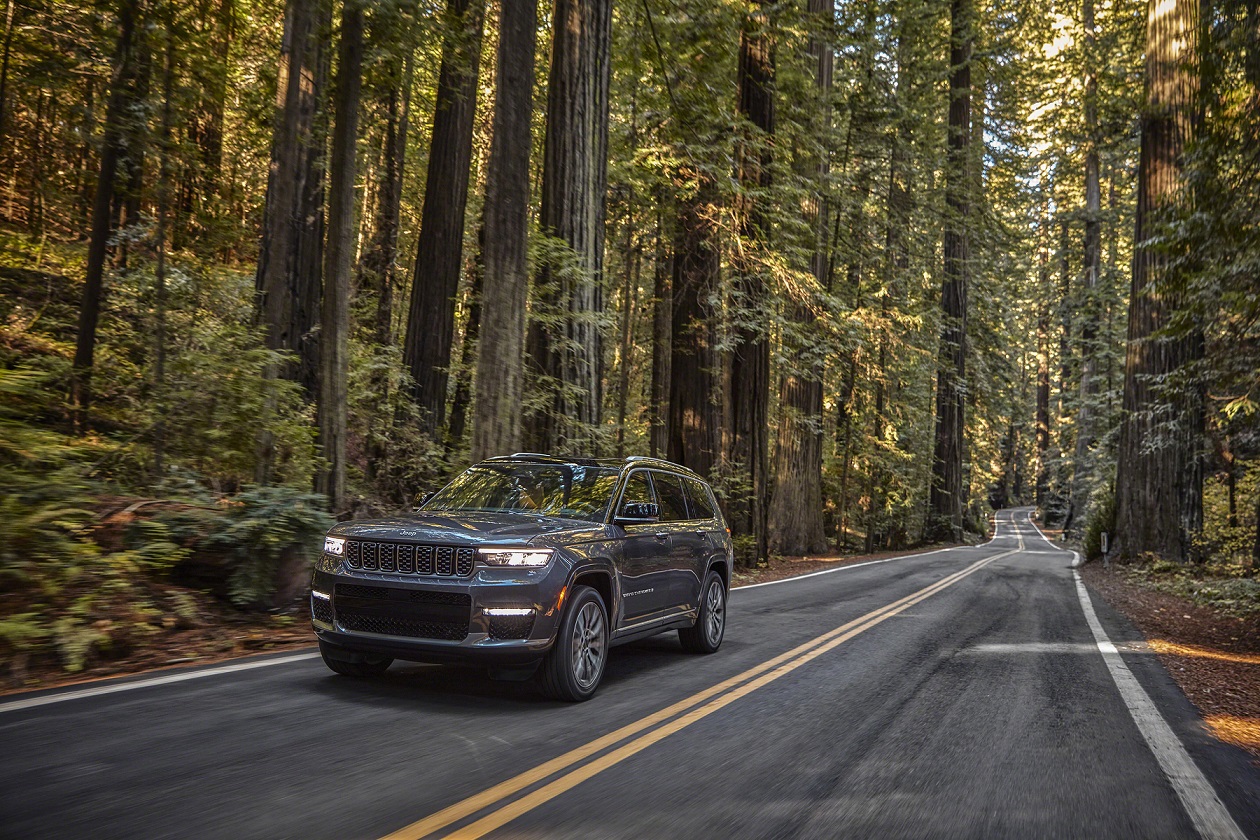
(567, 490)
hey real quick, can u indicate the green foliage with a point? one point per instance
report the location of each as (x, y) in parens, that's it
(1233, 588)
(1101, 519)
(257, 533)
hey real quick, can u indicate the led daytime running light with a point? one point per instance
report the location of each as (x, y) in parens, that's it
(527, 557)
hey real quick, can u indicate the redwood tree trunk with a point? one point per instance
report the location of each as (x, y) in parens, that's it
(291, 254)
(335, 312)
(662, 344)
(121, 99)
(1159, 492)
(440, 251)
(1082, 462)
(947, 500)
(795, 515)
(575, 175)
(694, 419)
(750, 359)
(500, 383)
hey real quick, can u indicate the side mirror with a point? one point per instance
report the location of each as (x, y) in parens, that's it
(422, 499)
(637, 513)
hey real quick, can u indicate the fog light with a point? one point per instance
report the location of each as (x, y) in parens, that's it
(508, 610)
(323, 596)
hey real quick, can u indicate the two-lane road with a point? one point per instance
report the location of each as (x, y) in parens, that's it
(969, 692)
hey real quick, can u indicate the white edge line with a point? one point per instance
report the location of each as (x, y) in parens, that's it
(166, 679)
(1210, 816)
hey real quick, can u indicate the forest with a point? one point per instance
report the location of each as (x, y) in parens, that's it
(872, 267)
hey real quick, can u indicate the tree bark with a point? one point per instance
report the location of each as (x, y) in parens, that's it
(575, 175)
(750, 358)
(1042, 417)
(290, 257)
(159, 271)
(376, 269)
(335, 311)
(947, 500)
(500, 383)
(1082, 475)
(662, 344)
(440, 251)
(694, 419)
(121, 98)
(1159, 481)
(795, 515)
(4, 69)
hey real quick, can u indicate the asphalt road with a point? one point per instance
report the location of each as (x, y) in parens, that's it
(960, 693)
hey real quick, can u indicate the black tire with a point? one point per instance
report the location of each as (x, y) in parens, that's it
(575, 664)
(351, 664)
(705, 636)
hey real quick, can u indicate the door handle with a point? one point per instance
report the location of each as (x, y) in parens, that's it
(660, 535)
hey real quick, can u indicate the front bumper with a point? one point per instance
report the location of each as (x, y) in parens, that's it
(436, 619)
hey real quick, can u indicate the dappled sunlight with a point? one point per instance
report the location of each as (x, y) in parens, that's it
(1162, 646)
(1240, 731)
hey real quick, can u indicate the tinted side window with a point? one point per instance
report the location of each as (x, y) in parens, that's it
(638, 489)
(670, 496)
(701, 501)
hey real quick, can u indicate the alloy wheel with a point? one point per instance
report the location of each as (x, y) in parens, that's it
(589, 645)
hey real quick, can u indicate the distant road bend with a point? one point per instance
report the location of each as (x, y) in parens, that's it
(966, 692)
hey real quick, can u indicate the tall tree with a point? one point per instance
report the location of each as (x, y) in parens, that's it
(122, 98)
(1090, 271)
(290, 258)
(947, 498)
(335, 310)
(794, 520)
(750, 358)
(694, 421)
(662, 342)
(440, 250)
(574, 183)
(500, 382)
(1159, 494)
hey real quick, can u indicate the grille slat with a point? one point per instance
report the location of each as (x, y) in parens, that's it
(410, 559)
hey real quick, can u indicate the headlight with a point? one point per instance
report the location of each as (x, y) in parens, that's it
(532, 557)
(335, 545)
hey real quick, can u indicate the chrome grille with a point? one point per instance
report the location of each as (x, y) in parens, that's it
(410, 559)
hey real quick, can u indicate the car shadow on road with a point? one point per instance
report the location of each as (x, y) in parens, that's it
(466, 688)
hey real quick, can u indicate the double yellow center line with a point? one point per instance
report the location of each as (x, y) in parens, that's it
(679, 716)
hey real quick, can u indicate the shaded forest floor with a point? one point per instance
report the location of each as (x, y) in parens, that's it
(1214, 657)
(216, 633)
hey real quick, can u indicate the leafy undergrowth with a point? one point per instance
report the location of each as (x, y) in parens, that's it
(1231, 587)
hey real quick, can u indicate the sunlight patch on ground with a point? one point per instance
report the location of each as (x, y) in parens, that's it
(1163, 646)
(1240, 731)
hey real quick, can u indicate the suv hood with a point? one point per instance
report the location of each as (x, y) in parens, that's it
(471, 528)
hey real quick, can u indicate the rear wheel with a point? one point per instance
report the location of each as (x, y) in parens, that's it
(352, 664)
(575, 663)
(705, 636)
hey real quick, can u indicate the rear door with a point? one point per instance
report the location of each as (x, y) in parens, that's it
(686, 550)
(644, 557)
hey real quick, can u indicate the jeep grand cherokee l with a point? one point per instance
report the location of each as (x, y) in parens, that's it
(529, 564)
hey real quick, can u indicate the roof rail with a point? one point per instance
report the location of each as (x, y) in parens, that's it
(531, 455)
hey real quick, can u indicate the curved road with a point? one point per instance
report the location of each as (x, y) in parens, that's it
(967, 692)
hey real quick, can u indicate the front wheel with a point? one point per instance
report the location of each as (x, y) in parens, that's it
(705, 636)
(575, 663)
(350, 664)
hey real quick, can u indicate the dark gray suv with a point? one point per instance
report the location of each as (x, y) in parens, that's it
(529, 564)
